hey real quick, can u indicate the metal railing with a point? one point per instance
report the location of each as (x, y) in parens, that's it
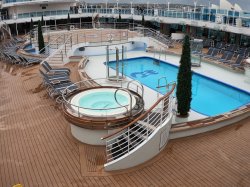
(88, 25)
(52, 45)
(138, 131)
(149, 32)
(98, 37)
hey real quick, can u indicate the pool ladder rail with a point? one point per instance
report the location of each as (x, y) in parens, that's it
(159, 85)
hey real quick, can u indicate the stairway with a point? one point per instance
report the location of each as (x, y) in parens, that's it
(141, 139)
(59, 56)
(128, 141)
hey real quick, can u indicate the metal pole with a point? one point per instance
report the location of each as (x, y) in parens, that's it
(122, 60)
(107, 62)
(16, 29)
(117, 63)
(80, 22)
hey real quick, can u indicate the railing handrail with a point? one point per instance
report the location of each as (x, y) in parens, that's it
(50, 44)
(143, 115)
(58, 49)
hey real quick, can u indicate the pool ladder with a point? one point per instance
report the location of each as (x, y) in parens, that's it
(159, 86)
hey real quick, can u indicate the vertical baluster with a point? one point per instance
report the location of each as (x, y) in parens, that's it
(147, 125)
(128, 138)
(162, 103)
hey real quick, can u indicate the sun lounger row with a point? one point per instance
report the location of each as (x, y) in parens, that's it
(57, 84)
(236, 49)
(227, 57)
(14, 58)
(8, 53)
(56, 80)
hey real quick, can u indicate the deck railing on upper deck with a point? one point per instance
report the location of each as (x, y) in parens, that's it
(205, 14)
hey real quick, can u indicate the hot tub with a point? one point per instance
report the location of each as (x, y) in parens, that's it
(96, 112)
(103, 102)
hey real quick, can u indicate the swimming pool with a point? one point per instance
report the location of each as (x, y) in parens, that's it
(209, 97)
(30, 48)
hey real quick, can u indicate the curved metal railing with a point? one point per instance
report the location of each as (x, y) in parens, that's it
(138, 131)
(93, 83)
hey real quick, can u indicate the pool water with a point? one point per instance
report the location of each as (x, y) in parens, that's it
(209, 97)
(33, 50)
(30, 49)
(103, 100)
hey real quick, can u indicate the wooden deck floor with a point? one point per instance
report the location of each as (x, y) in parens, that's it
(36, 148)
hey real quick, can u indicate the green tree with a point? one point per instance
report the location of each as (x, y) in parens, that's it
(68, 22)
(31, 24)
(42, 21)
(40, 38)
(142, 20)
(184, 80)
(31, 29)
(120, 18)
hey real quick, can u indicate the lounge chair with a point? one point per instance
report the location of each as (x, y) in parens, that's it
(64, 88)
(232, 48)
(28, 61)
(218, 45)
(19, 40)
(49, 69)
(239, 62)
(54, 79)
(242, 51)
(209, 52)
(14, 59)
(228, 57)
(223, 57)
(214, 54)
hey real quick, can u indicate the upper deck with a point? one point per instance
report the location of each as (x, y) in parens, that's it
(217, 19)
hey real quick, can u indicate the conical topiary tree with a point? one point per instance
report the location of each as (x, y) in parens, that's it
(142, 20)
(40, 38)
(68, 22)
(120, 18)
(31, 24)
(31, 29)
(42, 21)
(184, 80)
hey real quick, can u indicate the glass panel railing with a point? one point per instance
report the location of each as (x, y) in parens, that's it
(15, 1)
(205, 15)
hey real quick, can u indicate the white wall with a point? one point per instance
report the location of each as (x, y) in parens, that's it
(101, 50)
(38, 8)
(88, 136)
(193, 131)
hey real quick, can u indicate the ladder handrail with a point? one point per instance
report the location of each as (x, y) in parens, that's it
(142, 88)
(60, 48)
(130, 96)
